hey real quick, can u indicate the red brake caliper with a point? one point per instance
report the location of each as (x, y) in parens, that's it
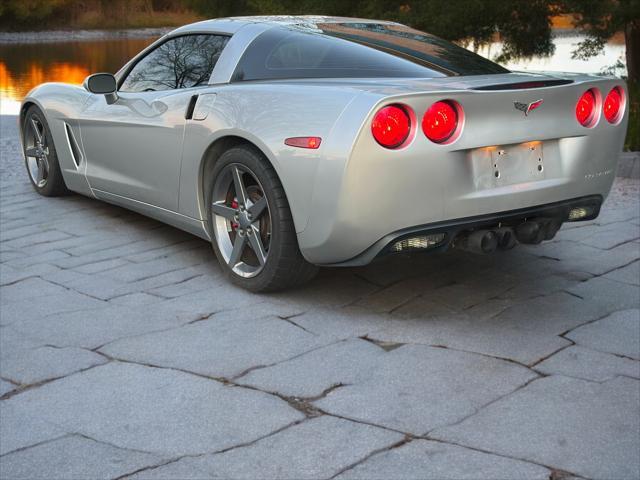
(234, 205)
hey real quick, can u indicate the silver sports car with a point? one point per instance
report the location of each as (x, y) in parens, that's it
(297, 142)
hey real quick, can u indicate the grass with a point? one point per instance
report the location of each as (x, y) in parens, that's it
(632, 142)
(91, 20)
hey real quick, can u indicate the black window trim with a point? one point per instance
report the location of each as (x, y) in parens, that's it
(401, 53)
(154, 46)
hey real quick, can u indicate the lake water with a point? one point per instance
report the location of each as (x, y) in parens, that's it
(27, 61)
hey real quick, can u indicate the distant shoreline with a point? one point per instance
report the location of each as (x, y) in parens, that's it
(48, 36)
(70, 35)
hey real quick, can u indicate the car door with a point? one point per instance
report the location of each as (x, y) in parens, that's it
(133, 146)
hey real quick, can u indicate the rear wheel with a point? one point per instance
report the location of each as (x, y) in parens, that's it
(253, 232)
(40, 155)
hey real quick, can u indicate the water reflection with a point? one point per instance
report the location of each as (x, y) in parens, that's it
(24, 66)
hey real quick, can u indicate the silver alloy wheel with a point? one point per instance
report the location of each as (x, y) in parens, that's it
(36, 151)
(241, 220)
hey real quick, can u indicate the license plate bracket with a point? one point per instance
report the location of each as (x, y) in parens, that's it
(517, 163)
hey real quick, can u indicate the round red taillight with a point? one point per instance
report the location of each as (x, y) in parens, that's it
(612, 105)
(391, 126)
(586, 108)
(440, 121)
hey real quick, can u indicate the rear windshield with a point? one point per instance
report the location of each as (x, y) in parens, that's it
(356, 50)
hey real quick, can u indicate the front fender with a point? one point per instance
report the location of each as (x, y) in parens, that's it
(61, 104)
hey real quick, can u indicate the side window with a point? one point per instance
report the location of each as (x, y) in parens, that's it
(181, 62)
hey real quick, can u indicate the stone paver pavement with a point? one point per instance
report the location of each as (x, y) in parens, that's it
(124, 353)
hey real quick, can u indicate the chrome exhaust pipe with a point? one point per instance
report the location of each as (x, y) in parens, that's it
(506, 238)
(551, 228)
(538, 229)
(479, 241)
(530, 232)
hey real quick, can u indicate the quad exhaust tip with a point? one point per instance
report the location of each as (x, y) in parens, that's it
(536, 230)
(505, 238)
(479, 241)
(485, 241)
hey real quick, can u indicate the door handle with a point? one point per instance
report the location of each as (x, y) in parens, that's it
(191, 107)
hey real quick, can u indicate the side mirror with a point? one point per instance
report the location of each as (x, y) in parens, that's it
(102, 84)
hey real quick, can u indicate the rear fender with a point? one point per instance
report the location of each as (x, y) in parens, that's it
(265, 115)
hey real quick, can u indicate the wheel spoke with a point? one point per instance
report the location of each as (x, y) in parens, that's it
(220, 209)
(40, 171)
(258, 208)
(31, 152)
(241, 192)
(238, 202)
(238, 248)
(36, 130)
(45, 163)
(256, 245)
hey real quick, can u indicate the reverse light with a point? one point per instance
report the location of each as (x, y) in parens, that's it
(578, 213)
(421, 242)
(391, 126)
(440, 121)
(304, 142)
(612, 107)
(586, 108)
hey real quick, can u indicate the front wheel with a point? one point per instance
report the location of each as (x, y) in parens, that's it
(253, 232)
(40, 155)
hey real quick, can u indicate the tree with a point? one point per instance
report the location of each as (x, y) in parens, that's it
(29, 10)
(523, 25)
(602, 19)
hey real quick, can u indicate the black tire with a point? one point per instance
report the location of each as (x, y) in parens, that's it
(54, 186)
(285, 267)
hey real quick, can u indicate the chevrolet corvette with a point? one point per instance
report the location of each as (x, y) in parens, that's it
(296, 142)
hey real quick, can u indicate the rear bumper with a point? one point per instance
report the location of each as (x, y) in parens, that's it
(503, 161)
(452, 228)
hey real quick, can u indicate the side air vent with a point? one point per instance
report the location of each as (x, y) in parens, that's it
(525, 85)
(73, 146)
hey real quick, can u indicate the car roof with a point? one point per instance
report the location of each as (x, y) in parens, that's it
(231, 25)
